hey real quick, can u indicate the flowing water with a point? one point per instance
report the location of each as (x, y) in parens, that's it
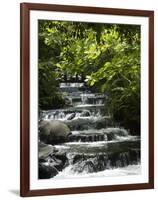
(97, 146)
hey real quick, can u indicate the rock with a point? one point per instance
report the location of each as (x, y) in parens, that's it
(85, 113)
(54, 132)
(46, 171)
(68, 101)
(52, 161)
(82, 166)
(89, 167)
(113, 133)
(72, 138)
(45, 150)
(111, 136)
(63, 158)
(51, 165)
(71, 116)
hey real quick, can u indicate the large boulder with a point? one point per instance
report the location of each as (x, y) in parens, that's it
(54, 132)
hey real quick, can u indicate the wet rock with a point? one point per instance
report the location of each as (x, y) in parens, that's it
(85, 113)
(45, 171)
(111, 136)
(51, 165)
(64, 160)
(71, 138)
(85, 123)
(84, 166)
(71, 116)
(114, 158)
(89, 167)
(54, 132)
(44, 150)
(78, 157)
(68, 101)
(114, 133)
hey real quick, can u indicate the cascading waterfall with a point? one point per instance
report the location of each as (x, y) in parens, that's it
(96, 147)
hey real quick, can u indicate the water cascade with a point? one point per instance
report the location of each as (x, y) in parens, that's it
(96, 144)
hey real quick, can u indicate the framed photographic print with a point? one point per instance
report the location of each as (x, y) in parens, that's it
(87, 99)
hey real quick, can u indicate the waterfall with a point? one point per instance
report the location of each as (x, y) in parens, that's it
(96, 144)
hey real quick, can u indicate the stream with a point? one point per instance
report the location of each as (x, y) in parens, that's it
(97, 146)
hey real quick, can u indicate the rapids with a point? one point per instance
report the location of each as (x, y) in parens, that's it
(97, 145)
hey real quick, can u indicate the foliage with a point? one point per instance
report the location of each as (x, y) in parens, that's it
(107, 54)
(119, 76)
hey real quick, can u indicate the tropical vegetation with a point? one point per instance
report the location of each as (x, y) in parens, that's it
(108, 57)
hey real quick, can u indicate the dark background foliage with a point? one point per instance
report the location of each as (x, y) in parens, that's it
(108, 57)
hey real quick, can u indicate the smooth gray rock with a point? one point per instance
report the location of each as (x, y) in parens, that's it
(54, 132)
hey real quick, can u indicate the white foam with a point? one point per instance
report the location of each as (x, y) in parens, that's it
(90, 105)
(124, 171)
(103, 130)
